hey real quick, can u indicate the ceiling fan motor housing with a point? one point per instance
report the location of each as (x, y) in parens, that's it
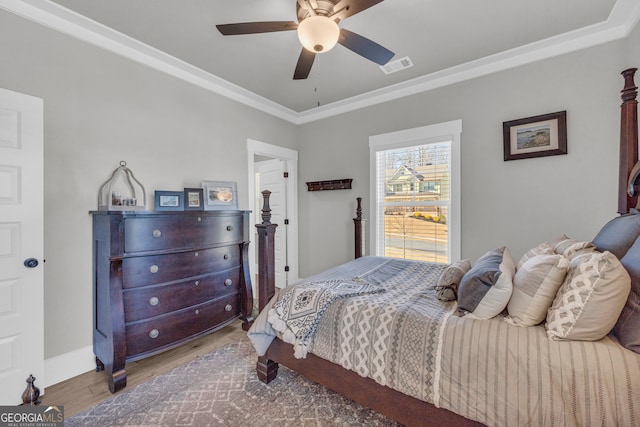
(324, 8)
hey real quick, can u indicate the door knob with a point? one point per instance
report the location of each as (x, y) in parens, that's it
(30, 262)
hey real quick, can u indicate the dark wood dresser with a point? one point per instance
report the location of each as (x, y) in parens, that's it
(164, 278)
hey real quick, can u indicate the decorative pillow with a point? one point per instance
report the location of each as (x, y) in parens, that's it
(627, 328)
(542, 249)
(485, 290)
(618, 235)
(569, 248)
(590, 299)
(534, 288)
(447, 287)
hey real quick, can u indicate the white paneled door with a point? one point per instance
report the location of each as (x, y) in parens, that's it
(271, 177)
(21, 245)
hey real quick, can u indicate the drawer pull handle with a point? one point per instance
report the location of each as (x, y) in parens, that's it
(228, 307)
(153, 269)
(229, 227)
(199, 219)
(227, 256)
(197, 282)
(154, 301)
(196, 254)
(157, 233)
(154, 333)
(197, 311)
(228, 282)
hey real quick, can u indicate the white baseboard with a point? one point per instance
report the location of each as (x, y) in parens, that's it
(69, 365)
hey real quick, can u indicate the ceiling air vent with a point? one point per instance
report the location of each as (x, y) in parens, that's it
(397, 65)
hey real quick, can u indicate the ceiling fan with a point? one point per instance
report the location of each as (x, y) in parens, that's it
(318, 31)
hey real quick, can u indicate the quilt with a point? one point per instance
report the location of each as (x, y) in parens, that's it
(484, 370)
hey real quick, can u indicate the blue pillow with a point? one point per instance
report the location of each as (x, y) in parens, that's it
(618, 235)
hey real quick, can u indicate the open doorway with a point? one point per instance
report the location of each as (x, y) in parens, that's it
(275, 168)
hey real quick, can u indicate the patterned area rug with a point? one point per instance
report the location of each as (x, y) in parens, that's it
(221, 389)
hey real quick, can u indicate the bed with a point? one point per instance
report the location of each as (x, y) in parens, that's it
(374, 330)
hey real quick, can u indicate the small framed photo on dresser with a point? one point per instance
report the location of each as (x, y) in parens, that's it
(220, 195)
(169, 201)
(193, 199)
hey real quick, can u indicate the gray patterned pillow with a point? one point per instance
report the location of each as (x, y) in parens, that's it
(542, 249)
(590, 299)
(485, 290)
(535, 286)
(447, 287)
(570, 248)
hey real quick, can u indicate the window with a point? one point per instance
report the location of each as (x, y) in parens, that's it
(415, 193)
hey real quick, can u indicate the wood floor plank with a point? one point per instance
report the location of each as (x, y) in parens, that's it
(88, 389)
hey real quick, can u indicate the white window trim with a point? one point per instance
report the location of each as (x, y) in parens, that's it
(448, 131)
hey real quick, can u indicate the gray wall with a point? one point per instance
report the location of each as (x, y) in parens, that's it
(517, 203)
(100, 108)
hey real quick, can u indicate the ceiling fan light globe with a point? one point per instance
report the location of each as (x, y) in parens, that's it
(318, 34)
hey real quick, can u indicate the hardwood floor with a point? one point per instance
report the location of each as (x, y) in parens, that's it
(88, 389)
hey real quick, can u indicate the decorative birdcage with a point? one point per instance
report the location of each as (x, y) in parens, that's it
(122, 192)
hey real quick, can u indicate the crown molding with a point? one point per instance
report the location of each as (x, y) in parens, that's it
(623, 18)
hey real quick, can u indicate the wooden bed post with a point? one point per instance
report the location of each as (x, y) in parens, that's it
(266, 260)
(359, 224)
(266, 369)
(628, 140)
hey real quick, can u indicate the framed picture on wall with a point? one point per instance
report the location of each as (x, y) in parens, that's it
(193, 199)
(536, 136)
(169, 200)
(220, 195)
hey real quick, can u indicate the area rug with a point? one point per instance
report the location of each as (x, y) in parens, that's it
(221, 389)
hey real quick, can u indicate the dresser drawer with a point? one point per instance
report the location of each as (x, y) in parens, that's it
(174, 327)
(180, 231)
(157, 269)
(150, 301)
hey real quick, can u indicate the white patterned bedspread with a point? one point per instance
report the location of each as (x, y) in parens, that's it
(485, 370)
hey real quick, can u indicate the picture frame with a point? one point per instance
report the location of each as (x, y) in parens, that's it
(168, 200)
(220, 195)
(536, 136)
(193, 199)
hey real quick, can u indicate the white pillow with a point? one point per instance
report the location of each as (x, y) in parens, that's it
(534, 288)
(590, 299)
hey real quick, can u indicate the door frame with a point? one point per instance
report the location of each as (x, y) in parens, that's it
(290, 157)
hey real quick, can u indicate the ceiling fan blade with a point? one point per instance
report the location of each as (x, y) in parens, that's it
(346, 8)
(303, 67)
(256, 27)
(365, 47)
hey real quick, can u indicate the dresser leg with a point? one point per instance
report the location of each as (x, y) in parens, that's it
(99, 365)
(246, 323)
(117, 380)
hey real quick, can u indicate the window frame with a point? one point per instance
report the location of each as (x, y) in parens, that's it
(441, 132)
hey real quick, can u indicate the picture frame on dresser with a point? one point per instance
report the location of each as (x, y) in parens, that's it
(193, 199)
(220, 195)
(168, 200)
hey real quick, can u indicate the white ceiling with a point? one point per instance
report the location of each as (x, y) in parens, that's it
(448, 41)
